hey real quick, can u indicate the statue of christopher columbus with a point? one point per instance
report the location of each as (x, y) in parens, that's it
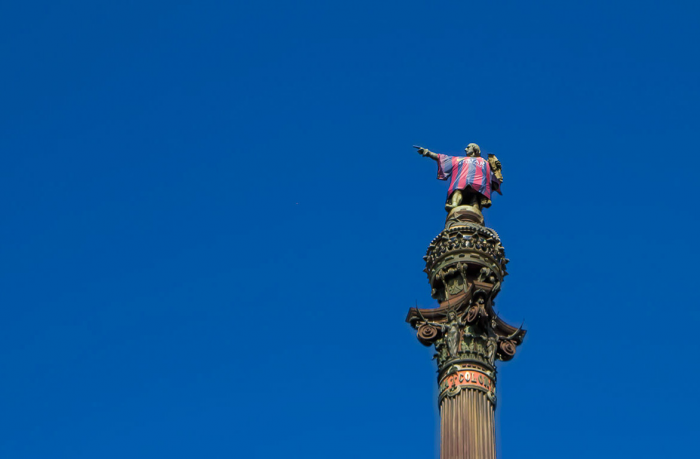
(472, 178)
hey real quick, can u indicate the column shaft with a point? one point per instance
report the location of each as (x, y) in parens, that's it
(467, 429)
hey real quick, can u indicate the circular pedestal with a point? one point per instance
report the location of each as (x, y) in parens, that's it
(464, 214)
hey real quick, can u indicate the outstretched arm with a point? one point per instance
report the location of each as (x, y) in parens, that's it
(425, 152)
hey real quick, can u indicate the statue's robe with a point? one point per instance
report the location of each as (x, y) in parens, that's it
(467, 172)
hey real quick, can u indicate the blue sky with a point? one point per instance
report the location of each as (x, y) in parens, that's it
(213, 223)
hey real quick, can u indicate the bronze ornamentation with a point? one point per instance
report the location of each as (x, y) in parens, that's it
(466, 266)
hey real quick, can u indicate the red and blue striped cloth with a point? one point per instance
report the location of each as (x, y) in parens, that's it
(464, 171)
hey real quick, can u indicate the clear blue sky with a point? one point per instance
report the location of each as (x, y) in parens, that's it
(213, 223)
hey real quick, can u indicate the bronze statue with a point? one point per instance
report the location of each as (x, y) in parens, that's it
(471, 177)
(451, 329)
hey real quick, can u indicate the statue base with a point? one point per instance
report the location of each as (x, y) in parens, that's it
(460, 215)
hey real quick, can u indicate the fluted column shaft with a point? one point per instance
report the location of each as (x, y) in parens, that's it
(467, 401)
(467, 427)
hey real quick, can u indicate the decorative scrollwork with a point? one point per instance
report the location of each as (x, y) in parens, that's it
(470, 249)
(428, 334)
(507, 349)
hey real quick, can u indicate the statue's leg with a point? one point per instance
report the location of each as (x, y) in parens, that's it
(456, 198)
(474, 199)
(454, 201)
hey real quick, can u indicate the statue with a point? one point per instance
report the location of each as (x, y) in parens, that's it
(471, 177)
(452, 331)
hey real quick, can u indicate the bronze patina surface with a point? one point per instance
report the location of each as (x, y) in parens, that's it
(466, 266)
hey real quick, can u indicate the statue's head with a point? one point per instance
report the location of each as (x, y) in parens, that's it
(451, 316)
(473, 150)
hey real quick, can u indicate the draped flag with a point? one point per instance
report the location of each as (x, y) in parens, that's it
(464, 171)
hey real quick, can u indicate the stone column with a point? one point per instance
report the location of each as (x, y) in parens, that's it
(467, 426)
(466, 266)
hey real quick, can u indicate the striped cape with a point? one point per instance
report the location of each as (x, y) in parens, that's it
(464, 171)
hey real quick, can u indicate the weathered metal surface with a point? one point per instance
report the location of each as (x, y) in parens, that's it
(466, 266)
(467, 427)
